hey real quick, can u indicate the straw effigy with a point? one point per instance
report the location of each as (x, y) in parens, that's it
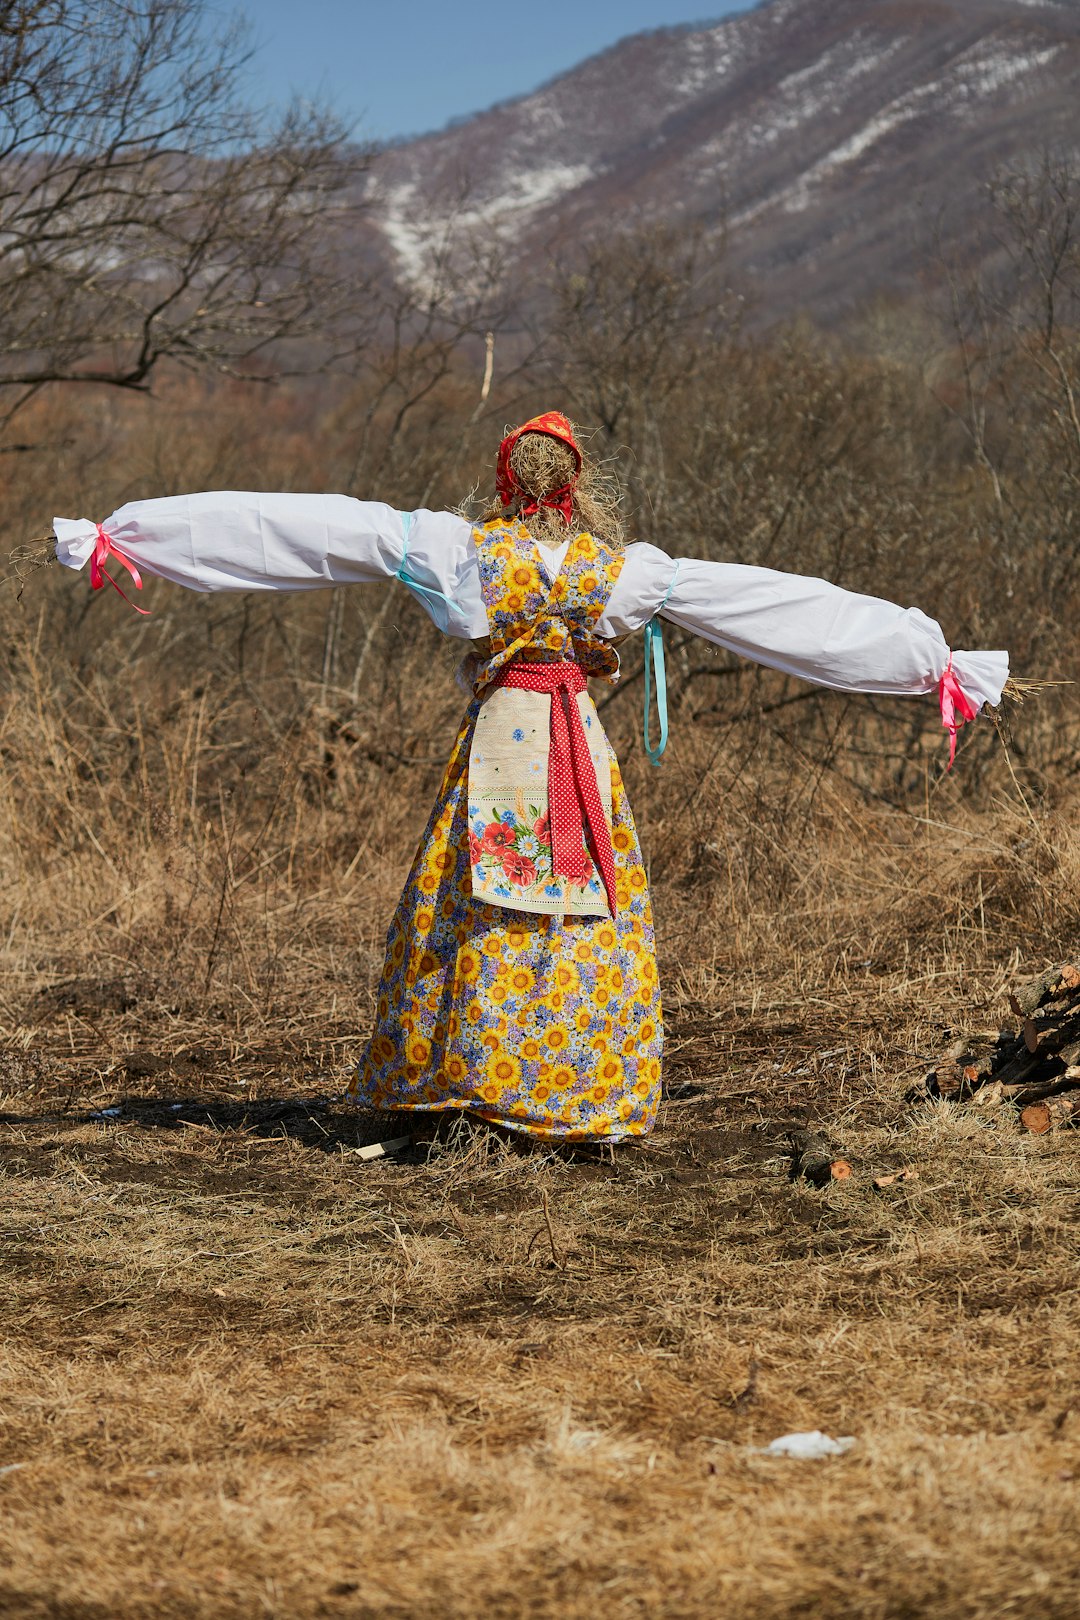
(542, 464)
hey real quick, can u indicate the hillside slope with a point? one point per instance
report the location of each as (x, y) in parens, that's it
(830, 138)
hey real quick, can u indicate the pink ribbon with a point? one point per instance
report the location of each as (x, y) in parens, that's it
(953, 704)
(103, 550)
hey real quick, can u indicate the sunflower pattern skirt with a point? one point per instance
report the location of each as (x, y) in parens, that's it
(548, 1024)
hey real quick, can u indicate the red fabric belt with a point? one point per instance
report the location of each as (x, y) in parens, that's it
(573, 791)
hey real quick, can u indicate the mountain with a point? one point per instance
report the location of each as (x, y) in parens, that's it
(828, 139)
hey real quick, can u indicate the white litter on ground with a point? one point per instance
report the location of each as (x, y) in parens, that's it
(379, 1150)
(809, 1445)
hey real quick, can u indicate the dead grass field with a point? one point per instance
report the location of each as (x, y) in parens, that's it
(246, 1373)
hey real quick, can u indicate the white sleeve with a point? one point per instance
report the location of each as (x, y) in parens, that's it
(802, 626)
(232, 540)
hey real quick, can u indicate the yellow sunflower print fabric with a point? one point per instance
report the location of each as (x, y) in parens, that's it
(550, 1025)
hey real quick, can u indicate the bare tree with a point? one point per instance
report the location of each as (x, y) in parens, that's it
(1015, 325)
(632, 322)
(635, 315)
(146, 212)
(1041, 212)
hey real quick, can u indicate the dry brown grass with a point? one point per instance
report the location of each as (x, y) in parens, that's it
(248, 1374)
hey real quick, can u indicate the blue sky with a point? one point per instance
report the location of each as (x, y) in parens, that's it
(400, 69)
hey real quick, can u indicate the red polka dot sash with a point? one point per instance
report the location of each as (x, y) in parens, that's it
(573, 791)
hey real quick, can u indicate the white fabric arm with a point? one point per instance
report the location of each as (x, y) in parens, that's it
(238, 541)
(802, 626)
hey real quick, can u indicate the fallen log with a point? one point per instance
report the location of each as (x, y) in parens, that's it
(1020, 1067)
(1053, 1112)
(1051, 1031)
(1033, 993)
(1034, 1091)
(814, 1160)
(957, 1080)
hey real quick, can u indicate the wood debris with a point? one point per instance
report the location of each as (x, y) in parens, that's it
(379, 1150)
(1041, 1117)
(814, 1160)
(898, 1178)
(1035, 1067)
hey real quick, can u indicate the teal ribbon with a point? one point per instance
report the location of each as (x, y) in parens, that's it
(409, 580)
(654, 660)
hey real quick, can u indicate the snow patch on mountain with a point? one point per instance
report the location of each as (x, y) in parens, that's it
(823, 86)
(979, 72)
(800, 195)
(414, 227)
(991, 65)
(845, 63)
(704, 61)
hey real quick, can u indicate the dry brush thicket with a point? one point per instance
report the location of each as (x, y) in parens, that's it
(247, 1373)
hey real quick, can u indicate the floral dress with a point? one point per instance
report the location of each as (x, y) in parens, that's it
(538, 1005)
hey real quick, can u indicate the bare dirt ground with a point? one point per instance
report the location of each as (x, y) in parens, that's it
(247, 1373)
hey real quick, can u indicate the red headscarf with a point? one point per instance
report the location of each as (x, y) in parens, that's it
(554, 424)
